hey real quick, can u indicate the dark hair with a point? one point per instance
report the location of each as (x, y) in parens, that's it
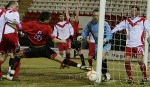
(9, 4)
(134, 6)
(44, 16)
(72, 15)
(61, 14)
(95, 10)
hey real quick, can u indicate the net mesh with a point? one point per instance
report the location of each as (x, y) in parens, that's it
(117, 11)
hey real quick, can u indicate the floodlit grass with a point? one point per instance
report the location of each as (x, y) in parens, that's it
(42, 72)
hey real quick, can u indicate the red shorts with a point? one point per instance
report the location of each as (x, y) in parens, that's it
(10, 43)
(134, 51)
(91, 49)
(66, 46)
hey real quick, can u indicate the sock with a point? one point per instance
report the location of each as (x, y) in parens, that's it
(0, 68)
(143, 69)
(17, 71)
(104, 66)
(70, 62)
(11, 60)
(68, 55)
(61, 63)
(15, 65)
(128, 69)
(82, 59)
(90, 62)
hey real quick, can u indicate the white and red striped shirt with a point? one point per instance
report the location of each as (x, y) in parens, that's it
(2, 22)
(136, 29)
(11, 16)
(63, 30)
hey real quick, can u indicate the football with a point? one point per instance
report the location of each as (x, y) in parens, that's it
(92, 75)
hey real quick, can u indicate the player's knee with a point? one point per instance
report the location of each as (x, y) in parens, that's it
(90, 57)
(127, 60)
(140, 61)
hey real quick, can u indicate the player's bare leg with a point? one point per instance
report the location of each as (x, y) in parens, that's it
(14, 67)
(143, 68)
(68, 57)
(61, 63)
(90, 60)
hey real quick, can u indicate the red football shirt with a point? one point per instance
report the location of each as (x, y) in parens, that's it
(75, 26)
(37, 32)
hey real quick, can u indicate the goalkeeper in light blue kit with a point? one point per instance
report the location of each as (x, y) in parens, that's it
(92, 27)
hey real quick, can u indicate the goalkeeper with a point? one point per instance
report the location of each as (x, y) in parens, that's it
(92, 27)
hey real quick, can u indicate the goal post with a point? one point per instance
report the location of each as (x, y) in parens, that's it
(146, 43)
(100, 39)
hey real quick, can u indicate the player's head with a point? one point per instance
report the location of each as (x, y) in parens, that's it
(61, 17)
(13, 5)
(72, 18)
(135, 11)
(44, 17)
(95, 15)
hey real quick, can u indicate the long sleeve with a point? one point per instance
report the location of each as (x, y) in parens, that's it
(71, 29)
(147, 27)
(107, 32)
(119, 27)
(12, 17)
(85, 32)
(55, 31)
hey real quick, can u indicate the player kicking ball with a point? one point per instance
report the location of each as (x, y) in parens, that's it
(37, 34)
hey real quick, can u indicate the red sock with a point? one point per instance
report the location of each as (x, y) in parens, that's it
(128, 69)
(143, 69)
(90, 62)
(68, 55)
(17, 70)
(70, 62)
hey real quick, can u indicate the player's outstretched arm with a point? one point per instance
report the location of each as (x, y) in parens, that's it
(77, 12)
(119, 27)
(67, 11)
(55, 40)
(12, 25)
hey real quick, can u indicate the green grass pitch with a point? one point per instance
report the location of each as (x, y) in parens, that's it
(42, 72)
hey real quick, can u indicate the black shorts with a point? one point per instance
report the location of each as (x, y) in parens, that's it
(77, 45)
(44, 51)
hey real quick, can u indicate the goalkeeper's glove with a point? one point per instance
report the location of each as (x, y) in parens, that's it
(79, 38)
(104, 41)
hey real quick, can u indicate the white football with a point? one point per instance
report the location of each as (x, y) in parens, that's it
(92, 75)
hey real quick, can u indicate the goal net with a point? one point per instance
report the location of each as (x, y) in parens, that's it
(115, 12)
